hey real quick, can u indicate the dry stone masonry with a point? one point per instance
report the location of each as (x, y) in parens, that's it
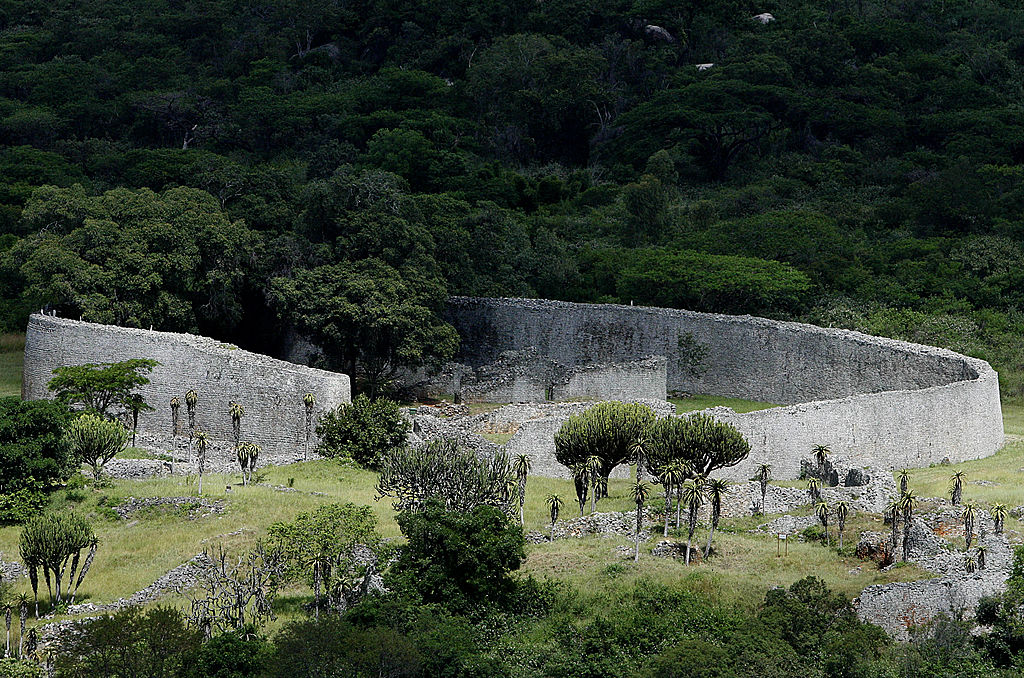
(270, 390)
(874, 401)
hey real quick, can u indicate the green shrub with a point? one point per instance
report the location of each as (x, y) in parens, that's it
(363, 430)
(129, 643)
(33, 451)
(460, 560)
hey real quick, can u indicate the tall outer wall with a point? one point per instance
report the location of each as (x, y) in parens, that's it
(873, 401)
(270, 390)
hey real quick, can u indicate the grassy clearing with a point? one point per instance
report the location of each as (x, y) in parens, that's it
(1013, 417)
(703, 402)
(1005, 469)
(135, 552)
(12, 356)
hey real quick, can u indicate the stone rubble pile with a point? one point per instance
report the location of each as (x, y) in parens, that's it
(196, 507)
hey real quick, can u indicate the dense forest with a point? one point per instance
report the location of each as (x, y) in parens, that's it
(236, 167)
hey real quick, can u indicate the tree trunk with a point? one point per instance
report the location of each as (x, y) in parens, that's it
(668, 507)
(23, 615)
(711, 533)
(85, 569)
(639, 526)
(693, 528)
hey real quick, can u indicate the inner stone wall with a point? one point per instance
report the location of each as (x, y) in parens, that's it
(270, 390)
(873, 401)
(748, 357)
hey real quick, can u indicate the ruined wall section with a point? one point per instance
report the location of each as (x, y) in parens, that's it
(270, 390)
(631, 380)
(873, 401)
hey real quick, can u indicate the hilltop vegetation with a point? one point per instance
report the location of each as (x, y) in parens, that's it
(209, 166)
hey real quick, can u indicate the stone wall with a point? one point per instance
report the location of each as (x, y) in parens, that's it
(900, 606)
(270, 390)
(527, 376)
(873, 401)
(630, 380)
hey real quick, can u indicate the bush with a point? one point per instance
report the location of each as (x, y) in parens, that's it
(331, 647)
(15, 668)
(228, 655)
(363, 430)
(460, 560)
(33, 451)
(154, 644)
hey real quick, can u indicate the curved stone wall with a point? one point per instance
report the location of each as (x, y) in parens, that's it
(873, 401)
(270, 390)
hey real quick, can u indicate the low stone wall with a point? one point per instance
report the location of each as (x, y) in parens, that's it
(900, 606)
(270, 390)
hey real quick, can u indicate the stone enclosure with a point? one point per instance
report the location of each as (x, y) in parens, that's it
(875, 402)
(270, 390)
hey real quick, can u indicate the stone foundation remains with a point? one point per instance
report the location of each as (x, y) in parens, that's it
(874, 401)
(270, 390)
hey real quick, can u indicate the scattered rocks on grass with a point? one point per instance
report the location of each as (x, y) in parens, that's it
(192, 507)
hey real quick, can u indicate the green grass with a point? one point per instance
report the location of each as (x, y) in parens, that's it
(497, 438)
(703, 402)
(135, 552)
(1013, 417)
(12, 356)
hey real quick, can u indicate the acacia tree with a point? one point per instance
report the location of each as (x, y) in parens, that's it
(762, 476)
(98, 387)
(96, 440)
(607, 431)
(639, 493)
(956, 487)
(52, 542)
(717, 488)
(521, 467)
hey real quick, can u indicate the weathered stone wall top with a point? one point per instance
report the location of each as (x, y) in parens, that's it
(747, 357)
(270, 390)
